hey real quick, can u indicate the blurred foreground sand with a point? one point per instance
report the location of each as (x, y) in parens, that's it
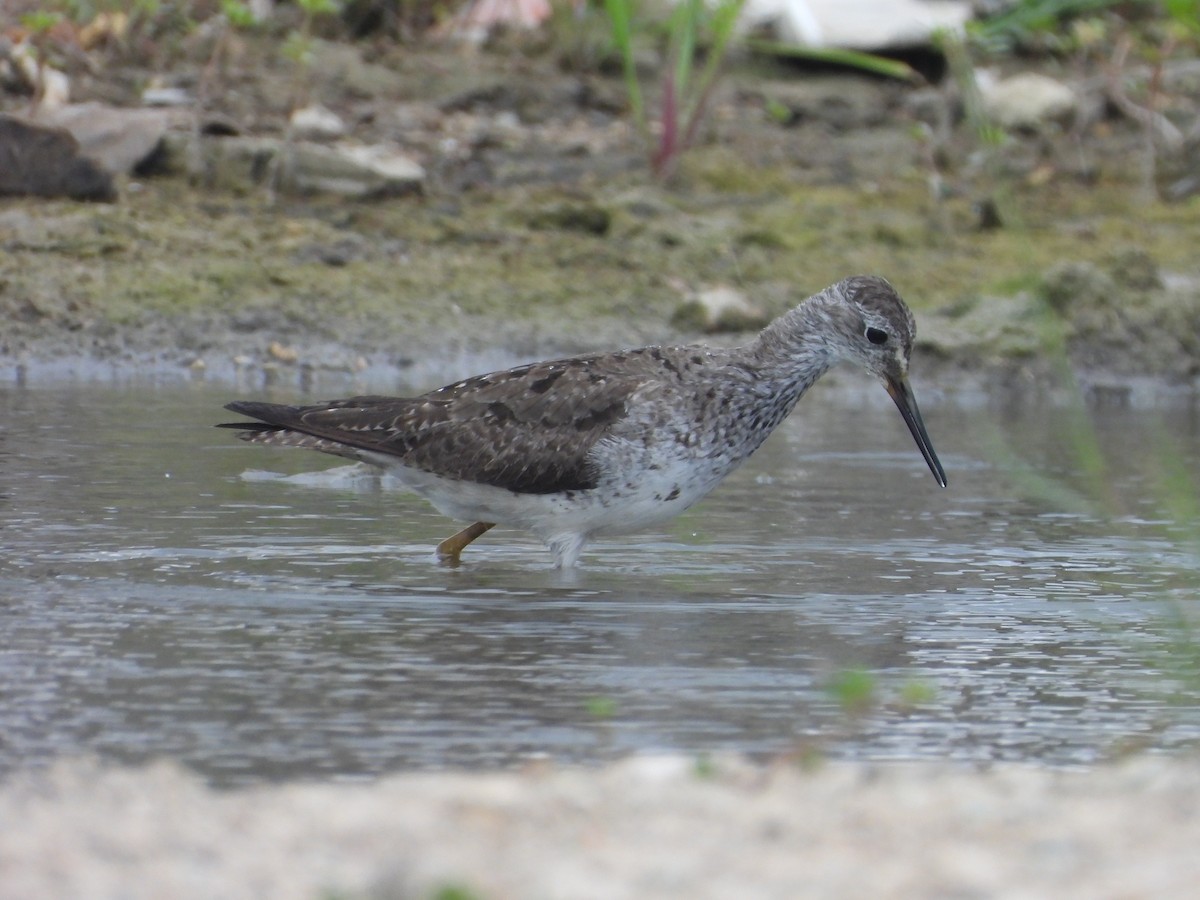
(647, 827)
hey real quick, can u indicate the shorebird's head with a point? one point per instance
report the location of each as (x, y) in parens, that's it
(875, 329)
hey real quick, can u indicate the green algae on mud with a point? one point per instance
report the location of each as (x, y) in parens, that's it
(226, 273)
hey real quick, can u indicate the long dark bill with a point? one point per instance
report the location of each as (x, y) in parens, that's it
(907, 404)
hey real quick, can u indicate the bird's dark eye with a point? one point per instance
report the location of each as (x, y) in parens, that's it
(877, 336)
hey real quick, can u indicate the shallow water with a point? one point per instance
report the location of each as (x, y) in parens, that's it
(164, 591)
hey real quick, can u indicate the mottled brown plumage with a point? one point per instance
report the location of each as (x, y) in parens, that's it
(605, 442)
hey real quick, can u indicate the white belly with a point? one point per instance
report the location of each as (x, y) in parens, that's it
(613, 507)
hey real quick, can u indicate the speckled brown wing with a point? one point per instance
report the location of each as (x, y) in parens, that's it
(527, 429)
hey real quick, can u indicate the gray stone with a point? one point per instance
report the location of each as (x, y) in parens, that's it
(117, 138)
(351, 170)
(1028, 100)
(225, 163)
(317, 123)
(42, 161)
(720, 308)
(166, 96)
(243, 163)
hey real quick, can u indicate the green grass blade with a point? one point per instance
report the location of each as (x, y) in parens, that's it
(724, 20)
(620, 22)
(866, 62)
(684, 26)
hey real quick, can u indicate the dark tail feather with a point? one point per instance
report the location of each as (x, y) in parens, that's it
(280, 425)
(267, 412)
(254, 427)
(271, 416)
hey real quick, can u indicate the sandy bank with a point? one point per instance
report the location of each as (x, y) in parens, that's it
(648, 827)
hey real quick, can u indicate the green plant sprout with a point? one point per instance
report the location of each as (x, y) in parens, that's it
(237, 13)
(298, 46)
(685, 94)
(601, 708)
(697, 31)
(40, 22)
(454, 891)
(236, 16)
(1184, 16)
(855, 690)
(859, 691)
(620, 18)
(1021, 22)
(958, 62)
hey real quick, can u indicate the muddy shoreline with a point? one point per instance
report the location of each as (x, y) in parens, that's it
(82, 305)
(540, 233)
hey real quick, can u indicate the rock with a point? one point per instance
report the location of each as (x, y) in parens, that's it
(119, 139)
(987, 214)
(1027, 101)
(856, 24)
(236, 164)
(720, 308)
(56, 89)
(317, 123)
(42, 161)
(244, 163)
(351, 170)
(166, 96)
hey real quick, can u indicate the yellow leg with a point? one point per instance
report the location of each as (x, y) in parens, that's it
(449, 550)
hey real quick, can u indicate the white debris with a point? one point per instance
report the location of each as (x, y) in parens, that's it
(857, 24)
